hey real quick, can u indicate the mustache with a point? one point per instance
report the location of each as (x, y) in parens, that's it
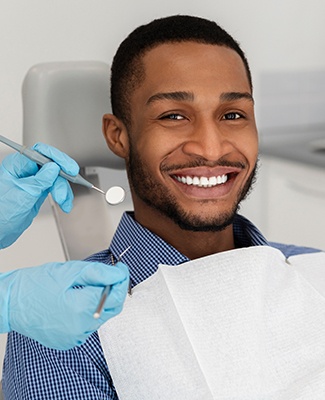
(203, 163)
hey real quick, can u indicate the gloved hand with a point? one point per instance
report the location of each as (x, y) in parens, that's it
(24, 187)
(43, 303)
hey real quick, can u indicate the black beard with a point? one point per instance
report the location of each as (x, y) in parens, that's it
(155, 195)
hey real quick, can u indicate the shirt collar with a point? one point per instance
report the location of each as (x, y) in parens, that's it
(148, 250)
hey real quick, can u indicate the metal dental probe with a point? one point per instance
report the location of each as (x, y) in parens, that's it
(107, 290)
(40, 159)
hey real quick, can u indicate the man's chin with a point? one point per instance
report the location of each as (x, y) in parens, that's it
(196, 223)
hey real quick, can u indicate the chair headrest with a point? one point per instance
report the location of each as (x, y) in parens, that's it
(63, 105)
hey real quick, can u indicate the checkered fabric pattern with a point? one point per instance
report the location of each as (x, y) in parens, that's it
(34, 372)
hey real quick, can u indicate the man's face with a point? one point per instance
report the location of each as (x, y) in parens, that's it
(193, 139)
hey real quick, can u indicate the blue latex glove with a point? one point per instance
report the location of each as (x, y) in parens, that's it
(24, 187)
(43, 303)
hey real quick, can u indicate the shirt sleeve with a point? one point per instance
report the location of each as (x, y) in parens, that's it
(32, 371)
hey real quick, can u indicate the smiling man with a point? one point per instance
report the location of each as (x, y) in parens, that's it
(183, 120)
(191, 144)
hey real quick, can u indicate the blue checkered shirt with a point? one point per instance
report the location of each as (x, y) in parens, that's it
(32, 371)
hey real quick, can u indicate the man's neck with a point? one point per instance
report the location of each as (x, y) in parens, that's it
(200, 244)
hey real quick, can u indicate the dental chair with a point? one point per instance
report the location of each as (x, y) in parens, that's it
(63, 105)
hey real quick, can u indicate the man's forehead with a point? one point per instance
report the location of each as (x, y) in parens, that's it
(177, 62)
(187, 53)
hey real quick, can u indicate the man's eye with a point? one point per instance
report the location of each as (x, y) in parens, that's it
(172, 116)
(232, 116)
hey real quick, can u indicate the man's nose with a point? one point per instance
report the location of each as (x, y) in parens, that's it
(208, 140)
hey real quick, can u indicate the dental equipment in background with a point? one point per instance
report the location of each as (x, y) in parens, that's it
(115, 195)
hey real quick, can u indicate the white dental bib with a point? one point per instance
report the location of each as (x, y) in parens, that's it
(238, 325)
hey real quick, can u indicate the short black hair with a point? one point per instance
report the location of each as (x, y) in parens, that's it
(127, 70)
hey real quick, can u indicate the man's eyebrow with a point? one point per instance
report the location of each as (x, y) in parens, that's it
(177, 96)
(189, 96)
(233, 96)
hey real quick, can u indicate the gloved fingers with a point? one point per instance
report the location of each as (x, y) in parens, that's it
(82, 303)
(17, 211)
(105, 315)
(62, 194)
(87, 298)
(109, 313)
(117, 295)
(67, 163)
(99, 274)
(19, 208)
(40, 182)
(54, 313)
(19, 166)
(24, 173)
(123, 267)
(113, 305)
(38, 205)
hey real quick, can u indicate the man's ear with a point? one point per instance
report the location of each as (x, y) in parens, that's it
(116, 135)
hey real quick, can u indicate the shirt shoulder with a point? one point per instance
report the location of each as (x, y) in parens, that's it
(101, 256)
(292, 250)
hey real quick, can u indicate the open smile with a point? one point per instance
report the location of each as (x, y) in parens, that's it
(206, 183)
(202, 181)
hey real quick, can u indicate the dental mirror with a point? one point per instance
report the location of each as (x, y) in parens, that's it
(115, 195)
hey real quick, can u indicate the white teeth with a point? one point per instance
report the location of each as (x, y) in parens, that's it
(202, 181)
(195, 181)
